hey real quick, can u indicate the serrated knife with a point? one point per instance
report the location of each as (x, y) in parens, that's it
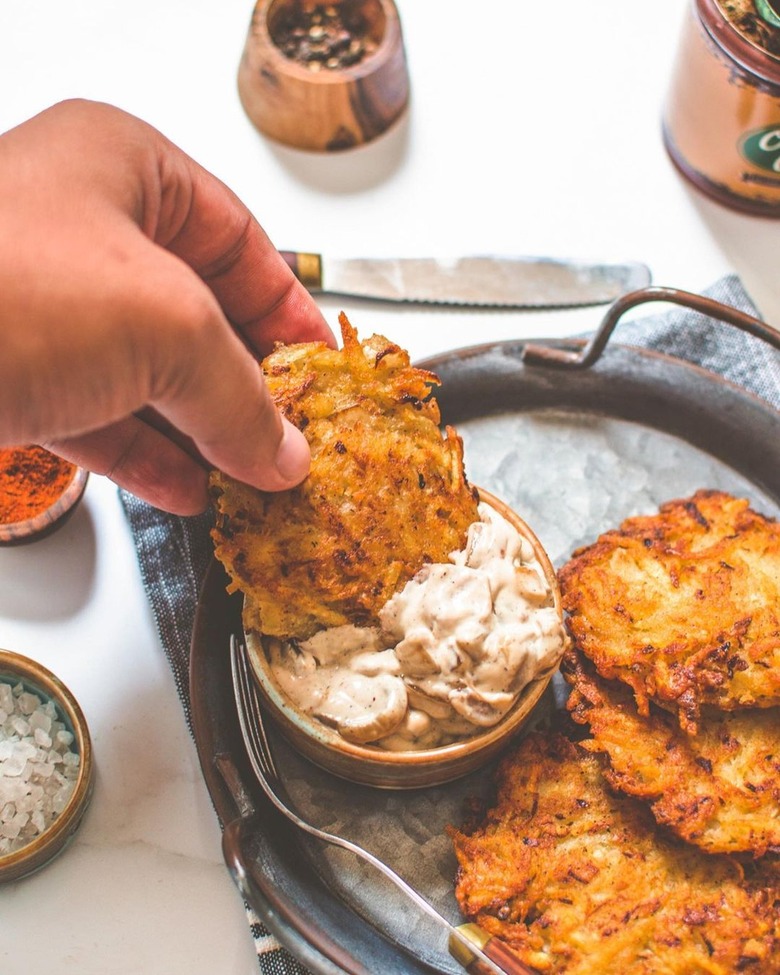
(487, 282)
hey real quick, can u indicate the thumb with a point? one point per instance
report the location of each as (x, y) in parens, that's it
(166, 464)
(292, 458)
(234, 425)
(215, 394)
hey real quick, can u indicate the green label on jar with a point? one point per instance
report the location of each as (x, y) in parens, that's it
(762, 148)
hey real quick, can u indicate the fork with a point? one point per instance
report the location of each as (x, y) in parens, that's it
(467, 943)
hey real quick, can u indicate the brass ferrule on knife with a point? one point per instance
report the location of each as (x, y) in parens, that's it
(499, 953)
(460, 952)
(306, 267)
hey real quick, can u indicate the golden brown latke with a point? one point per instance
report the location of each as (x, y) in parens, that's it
(386, 493)
(718, 789)
(579, 881)
(683, 605)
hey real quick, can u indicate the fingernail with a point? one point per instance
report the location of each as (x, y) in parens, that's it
(293, 456)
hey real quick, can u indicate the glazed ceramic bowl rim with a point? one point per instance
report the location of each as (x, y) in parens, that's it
(331, 739)
(48, 519)
(286, 713)
(42, 848)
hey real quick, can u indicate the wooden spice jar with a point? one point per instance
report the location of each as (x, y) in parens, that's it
(324, 76)
(722, 115)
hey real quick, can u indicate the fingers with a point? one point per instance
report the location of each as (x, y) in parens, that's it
(151, 335)
(144, 461)
(92, 161)
(147, 456)
(206, 225)
(134, 281)
(152, 466)
(211, 387)
(202, 380)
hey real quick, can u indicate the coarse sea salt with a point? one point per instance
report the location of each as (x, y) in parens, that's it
(38, 769)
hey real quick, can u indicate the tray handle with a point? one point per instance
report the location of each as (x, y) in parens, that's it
(559, 358)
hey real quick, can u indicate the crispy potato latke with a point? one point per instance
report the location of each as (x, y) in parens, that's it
(718, 789)
(578, 879)
(684, 605)
(385, 494)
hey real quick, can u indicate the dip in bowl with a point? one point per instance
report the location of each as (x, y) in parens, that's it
(460, 661)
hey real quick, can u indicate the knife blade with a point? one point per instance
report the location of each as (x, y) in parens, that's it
(488, 282)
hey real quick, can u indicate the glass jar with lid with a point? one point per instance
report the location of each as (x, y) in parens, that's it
(721, 122)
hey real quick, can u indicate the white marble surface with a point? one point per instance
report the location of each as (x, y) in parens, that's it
(523, 136)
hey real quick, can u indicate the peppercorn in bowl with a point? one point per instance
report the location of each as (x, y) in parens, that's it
(39, 491)
(46, 766)
(324, 77)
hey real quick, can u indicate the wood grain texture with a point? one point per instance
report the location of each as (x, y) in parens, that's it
(331, 109)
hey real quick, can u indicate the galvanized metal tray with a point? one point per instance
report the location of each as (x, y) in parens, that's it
(575, 436)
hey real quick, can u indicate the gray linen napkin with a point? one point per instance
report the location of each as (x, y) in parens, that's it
(174, 553)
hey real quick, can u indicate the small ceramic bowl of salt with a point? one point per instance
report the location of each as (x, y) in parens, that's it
(46, 766)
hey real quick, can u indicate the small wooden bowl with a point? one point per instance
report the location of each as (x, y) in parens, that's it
(333, 108)
(413, 769)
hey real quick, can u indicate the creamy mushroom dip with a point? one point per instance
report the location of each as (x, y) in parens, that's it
(454, 649)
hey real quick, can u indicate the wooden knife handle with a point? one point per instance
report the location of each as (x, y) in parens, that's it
(504, 957)
(496, 950)
(307, 268)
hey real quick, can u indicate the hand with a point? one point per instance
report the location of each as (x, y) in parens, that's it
(137, 293)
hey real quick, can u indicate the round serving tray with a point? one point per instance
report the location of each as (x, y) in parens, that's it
(575, 436)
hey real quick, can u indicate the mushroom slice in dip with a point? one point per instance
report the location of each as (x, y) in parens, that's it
(343, 677)
(454, 649)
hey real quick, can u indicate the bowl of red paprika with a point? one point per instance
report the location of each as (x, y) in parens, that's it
(38, 492)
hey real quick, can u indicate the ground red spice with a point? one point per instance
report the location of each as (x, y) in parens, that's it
(31, 480)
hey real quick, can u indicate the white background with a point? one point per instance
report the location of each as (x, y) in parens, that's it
(531, 130)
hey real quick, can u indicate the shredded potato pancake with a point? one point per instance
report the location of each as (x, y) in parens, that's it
(579, 880)
(683, 606)
(386, 492)
(652, 846)
(718, 789)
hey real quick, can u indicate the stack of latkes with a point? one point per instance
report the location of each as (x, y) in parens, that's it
(653, 845)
